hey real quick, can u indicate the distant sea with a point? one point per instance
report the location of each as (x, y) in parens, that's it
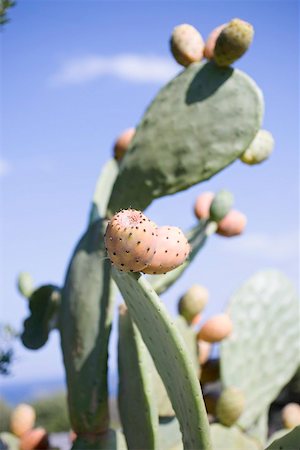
(14, 392)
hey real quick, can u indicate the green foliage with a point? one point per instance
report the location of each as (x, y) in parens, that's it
(52, 413)
(262, 353)
(4, 6)
(7, 336)
(189, 133)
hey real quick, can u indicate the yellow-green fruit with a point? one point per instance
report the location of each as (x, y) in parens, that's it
(215, 329)
(260, 148)
(25, 284)
(193, 302)
(233, 41)
(230, 406)
(187, 45)
(291, 415)
(22, 419)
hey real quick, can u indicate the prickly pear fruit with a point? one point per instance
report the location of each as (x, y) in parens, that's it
(260, 148)
(202, 205)
(204, 351)
(233, 224)
(215, 329)
(211, 41)
(172, 249)
(22, 419)
(25, 284)
(130, 240)
(230, 406)
(122, 143)
(233, 41)
(193, 302)
(186, 44)
(291, 415)
(36, 439)
(221, 205)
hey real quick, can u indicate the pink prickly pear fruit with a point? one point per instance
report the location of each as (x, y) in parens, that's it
(36, 439)
(233, 224)
(204, 351)
(22, 419)
(122, 143)
(130, 240)
(211, 41)
(192, 303)
(202, 205)
(233, 41)
(186, 44)
(172, 249)
(230, 406)
(215, 329)
(291, 415)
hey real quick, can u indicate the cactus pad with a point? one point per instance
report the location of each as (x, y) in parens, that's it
(290, 441)
(224, 438)
(196, 126)
(136, 404)
(44, 305)
(262, 353)
(85, 328)
(169, 353)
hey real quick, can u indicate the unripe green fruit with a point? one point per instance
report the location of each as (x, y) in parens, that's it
(260, 148)
(221, 205)
(22, 419)
(291, 415)
(25, 284)
(230, 406)
(186, 44)
(122, 143)
(193, 302)
(233, 41)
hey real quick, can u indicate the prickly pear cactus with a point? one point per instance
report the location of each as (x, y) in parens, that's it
(170, 356)
(290, 441)
(262, 353)
(189, 133)
(44, 305)
(224, 438)
(136, 401)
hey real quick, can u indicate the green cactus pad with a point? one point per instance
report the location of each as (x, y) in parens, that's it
(290, 441)
(85, 324)
(170, 435)
(44, 306)
(197, 125)
(262, 353)
(103, 190)
(170, 356)
(110, 440)
(224, 438)
(136, 403)
(188, 334)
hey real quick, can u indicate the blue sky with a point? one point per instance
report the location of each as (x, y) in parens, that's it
(74, 75)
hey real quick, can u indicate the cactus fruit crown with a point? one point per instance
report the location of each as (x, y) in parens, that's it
(135, 244)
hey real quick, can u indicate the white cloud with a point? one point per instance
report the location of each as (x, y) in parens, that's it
(5, 167)
(130, 67)
(279, 248)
